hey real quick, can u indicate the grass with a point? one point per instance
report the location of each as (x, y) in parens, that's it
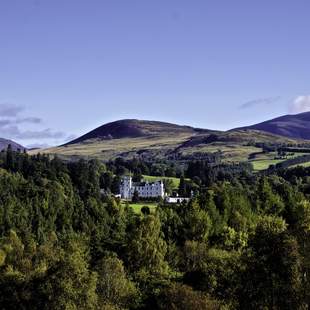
(175, 181)
(138, 206)
(235, 146)
(232, 152)
(126, 147)
(263, 164)
(307, 164)
(265, 160)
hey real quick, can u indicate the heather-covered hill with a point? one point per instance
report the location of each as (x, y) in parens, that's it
(293, 126)
(151, 140)
(133, 128)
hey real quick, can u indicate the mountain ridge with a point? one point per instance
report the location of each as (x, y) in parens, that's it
(154, 140)
(134, 128)
(4, 143)
(295, 126)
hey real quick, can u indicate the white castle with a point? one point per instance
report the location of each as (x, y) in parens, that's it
(144, 189)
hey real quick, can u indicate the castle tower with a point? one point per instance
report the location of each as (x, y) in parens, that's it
(126, 186)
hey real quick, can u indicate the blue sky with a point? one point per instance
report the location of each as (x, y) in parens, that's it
(68, 66)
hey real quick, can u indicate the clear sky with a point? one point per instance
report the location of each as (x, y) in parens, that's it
(68, 66)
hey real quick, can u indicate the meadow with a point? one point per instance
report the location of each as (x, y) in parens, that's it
(139, 205)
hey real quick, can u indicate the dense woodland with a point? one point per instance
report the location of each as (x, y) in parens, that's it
(242, 242)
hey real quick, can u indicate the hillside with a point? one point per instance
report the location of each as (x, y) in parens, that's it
(151, 140)
(292, 126)
(133, 128)
(4, 143)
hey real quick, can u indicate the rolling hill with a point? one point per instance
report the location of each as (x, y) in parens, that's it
(4, 143)
(293, 126)
(152, 140)
(133, 128)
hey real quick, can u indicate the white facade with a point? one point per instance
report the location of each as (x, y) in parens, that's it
(144, 189)
(176, 199)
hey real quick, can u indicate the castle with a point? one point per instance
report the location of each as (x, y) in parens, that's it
(144, 189)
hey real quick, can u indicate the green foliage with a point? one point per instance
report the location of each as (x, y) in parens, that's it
(114, 287)
(214, 271)
(182, 297)
(273, 268)
(135, 197)
(242, 242)
(147, 248)
(197, 222)
(71, 285)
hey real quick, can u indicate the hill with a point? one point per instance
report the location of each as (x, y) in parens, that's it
(293, 126)
(151, 140)
(133, 128)
(130, 138)
(4, 143)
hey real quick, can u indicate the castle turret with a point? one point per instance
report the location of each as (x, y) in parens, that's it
(126, 186)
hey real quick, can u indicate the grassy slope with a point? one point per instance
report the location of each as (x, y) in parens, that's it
(307, 164)
(168, 141)
(138, 206)
(175, 181)
(263, 164)
(126, 147)
(234, 146)
(232, 152)
(263, 161)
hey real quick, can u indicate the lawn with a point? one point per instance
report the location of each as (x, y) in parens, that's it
(175, 181)
(138, 206)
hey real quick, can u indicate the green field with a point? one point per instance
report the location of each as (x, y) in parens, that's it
(263, 164)
(138, 206)
(263, 161)
(307, 164)
(175, 181)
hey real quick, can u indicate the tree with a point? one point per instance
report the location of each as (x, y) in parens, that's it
(268, 201)
(69, 283)
(182, 297)
(147, 249)
(135, 197)
(182, 187)
(198, 224)
(145, 210)
(273, 268)
(301, 229)
(9, 158)
(113, 286)
(212, 270)
(168, 185)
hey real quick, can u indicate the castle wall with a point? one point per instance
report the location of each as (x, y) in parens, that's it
(145, 190)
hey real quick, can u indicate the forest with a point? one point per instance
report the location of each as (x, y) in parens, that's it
(242, 242)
